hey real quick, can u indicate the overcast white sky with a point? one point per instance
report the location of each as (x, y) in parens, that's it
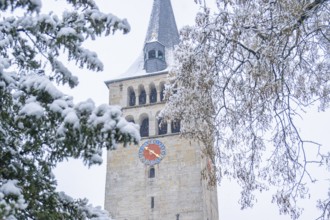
(118, 52)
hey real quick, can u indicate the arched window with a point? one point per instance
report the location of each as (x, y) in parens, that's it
(160, 55)
(144, 128)
(153, 95)
(151, 54)
(131, 97)
(162, 127)
(162, 90)
(142, 96)
(152, 172)
(175, 126)
(130, 119)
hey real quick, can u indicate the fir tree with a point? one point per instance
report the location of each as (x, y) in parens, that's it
(39, 125)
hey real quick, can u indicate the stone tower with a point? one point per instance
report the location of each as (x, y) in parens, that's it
(161, 178)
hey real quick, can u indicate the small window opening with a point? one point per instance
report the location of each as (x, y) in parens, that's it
(160, 55)
(152, 172)
(144, 129)
(177, 216)
(175, 126)
(153, 95)
(131, 98)
(151, 54)
(152, 202)
(162, 127)
(142, 97)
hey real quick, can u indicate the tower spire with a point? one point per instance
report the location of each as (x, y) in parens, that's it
(162, 25)
(162, 36)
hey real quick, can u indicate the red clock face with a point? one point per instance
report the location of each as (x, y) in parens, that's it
(152, 152)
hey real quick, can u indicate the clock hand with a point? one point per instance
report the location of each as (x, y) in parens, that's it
(157, 155)
(151, 151)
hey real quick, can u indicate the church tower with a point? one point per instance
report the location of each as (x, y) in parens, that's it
(161, 178)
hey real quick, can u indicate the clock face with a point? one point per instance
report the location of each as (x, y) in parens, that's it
(152, 152)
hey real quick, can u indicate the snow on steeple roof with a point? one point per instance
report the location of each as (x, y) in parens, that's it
(162, 28)
(162, 25)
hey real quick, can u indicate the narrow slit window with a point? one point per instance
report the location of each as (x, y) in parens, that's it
(152, 172)
(152, 202)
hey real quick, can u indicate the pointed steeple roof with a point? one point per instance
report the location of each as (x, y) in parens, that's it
(162, 25)
(162, 29)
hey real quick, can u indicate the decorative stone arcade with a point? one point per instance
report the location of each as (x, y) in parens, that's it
(161, 178)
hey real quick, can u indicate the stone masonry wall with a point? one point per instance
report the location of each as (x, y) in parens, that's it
(177, 188)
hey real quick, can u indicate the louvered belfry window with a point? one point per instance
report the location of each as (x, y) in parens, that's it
(153, 95)
(142, 97)
(162, 127)
(175, 126)
(144, 128)
(151, 54)
(131, 101)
